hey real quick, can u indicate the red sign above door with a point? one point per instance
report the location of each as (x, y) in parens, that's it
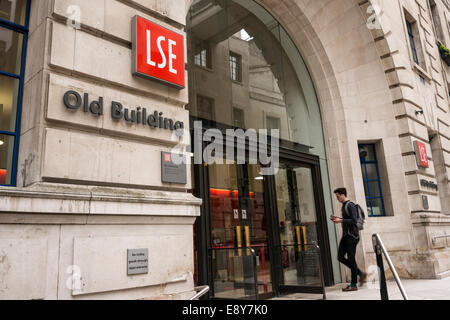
(158, 53)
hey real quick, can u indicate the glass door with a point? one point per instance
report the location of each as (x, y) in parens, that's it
(297, 228)
(239, 252)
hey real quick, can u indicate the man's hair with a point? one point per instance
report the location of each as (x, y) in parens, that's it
(341, 191)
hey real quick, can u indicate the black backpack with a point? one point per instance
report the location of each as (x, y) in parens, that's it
(361, 215)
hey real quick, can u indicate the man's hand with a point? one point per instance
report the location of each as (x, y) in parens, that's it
(336, 219)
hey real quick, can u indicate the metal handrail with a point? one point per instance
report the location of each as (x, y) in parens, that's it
(254, 264)
(201, 291)
(438, 237)
(378, 243)
(313, 243)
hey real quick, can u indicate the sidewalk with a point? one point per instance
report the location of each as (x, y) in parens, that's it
(415, 290)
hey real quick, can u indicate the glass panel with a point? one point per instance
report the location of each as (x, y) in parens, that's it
(202, 54)
(367, 152)
(363, 171)
(307, 204)
(298, 229)
(238, 117)
(197, 221)
(235, 67)
(6, 158)
(372, 173)
(205, 108)
(233, 273)
(285, 214)
(11, 44)
(301, 265)
(224, 201)
(374, 187)
(9, 91)
(273, 123)
(377, 207)
(259, 235)
(368, 204)
(13, 11)
(263, 266)
(257, 208)
(249, 46)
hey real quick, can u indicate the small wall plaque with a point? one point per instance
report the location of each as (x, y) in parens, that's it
(171, 171)
(137, 261)
(425, 202)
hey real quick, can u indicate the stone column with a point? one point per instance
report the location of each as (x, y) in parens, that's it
(90, 187)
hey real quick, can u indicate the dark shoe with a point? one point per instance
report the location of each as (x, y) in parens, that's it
(362, 279)
(350, 288)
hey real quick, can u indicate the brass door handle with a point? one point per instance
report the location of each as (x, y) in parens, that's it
(298, 238)
(238, 232)
(247, 238)
(300, 232)
(305, 241)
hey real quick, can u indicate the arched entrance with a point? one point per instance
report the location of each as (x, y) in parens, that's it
(246, 73)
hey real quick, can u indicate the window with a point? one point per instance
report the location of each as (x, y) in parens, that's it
(236, 67)
(205, 108)
(202, 55)
(13, 39)
(371, 180)
(436, 21)
(272, 123)
(238, 118)
(414, 41)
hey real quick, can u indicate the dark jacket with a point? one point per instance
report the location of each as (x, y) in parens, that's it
(350, 218)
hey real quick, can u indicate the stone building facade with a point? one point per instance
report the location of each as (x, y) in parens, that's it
(87, 188)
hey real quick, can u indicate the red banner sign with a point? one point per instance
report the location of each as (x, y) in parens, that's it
(421, 154)
(158, 53)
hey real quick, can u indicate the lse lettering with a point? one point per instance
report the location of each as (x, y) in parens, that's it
(172, 57)
(423, 154)
(158, 53)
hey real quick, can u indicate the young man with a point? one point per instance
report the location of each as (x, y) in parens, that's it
(350, 238)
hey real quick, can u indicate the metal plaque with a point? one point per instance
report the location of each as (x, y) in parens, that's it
(137, 261)
(236, 213)
(171, 171)
(244, 214)
(425, 202)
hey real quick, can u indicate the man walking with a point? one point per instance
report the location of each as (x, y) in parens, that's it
(350, 238)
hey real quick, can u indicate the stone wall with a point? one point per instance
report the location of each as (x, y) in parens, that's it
(89, 187)
(87, 190)
(369, 89)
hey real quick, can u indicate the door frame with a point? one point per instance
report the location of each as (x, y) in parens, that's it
(299, 159)
(290, 153)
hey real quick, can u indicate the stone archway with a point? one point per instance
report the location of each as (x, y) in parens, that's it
(355, 74)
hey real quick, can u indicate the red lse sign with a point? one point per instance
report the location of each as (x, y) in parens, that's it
(158, 53)
(421, 154)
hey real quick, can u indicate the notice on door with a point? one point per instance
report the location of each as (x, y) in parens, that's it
(137, 261)
(173, 171)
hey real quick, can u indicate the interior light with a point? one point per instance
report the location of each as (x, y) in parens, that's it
(259, 178)
(1, 142)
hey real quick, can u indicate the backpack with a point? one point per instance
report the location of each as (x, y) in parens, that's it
(361, 216)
